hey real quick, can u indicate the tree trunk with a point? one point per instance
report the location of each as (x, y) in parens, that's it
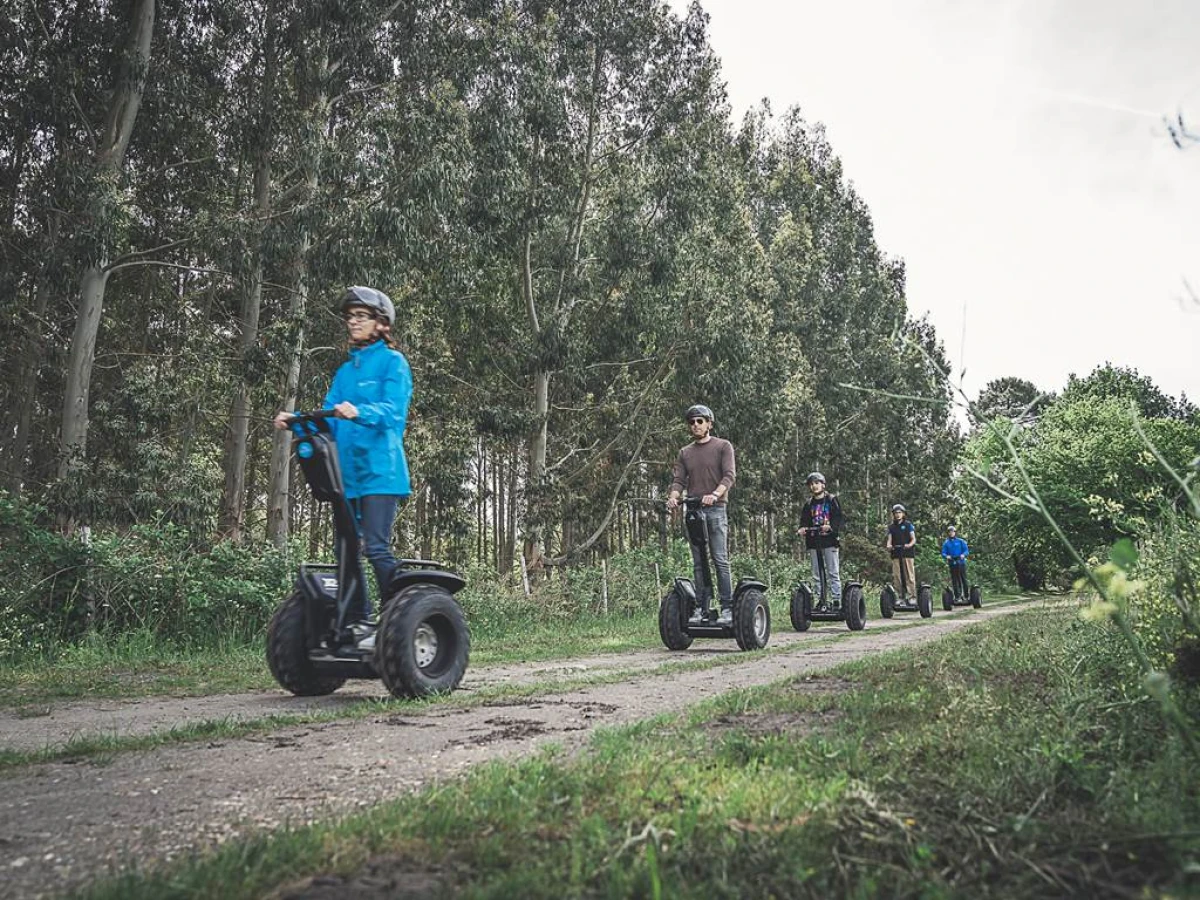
(537, 467)
(534, 551)
(233, 497)
(26, 390)
(281, 445)
(277, 506)
(109, 161)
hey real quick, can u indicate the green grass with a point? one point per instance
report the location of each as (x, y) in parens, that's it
(134, 666)
(138, 665)
(1006, 761)
(101, 746)
(130, 666)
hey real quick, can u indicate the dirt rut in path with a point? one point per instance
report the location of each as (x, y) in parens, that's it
(64, 824)
(32, 728)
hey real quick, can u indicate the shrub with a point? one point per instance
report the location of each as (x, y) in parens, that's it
(148, 578)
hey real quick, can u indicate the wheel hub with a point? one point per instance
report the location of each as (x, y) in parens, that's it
(760, 622)
(425, 645)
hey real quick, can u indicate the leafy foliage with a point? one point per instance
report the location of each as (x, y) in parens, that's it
(580, 246)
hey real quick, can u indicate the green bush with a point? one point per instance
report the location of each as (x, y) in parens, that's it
(149, 578)
(1168, 568)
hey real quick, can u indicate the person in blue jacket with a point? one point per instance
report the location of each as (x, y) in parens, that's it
(370, 395)
(954, 551)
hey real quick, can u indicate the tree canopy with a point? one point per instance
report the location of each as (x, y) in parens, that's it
(579, 242)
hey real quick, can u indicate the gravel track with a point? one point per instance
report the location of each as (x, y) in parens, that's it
(64, 824)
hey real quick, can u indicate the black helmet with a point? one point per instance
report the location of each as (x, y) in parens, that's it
(698, 411)
(815, 476)
(378, 301)
(899, 507)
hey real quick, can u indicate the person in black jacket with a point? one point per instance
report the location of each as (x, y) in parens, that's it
(821, 521)
(902, 545)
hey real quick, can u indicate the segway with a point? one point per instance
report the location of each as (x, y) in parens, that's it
(678, 622)
(958, 594)
(889, 603)
(421, 642)
(850, 608)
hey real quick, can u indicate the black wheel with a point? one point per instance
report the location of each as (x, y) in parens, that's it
(751, 620)
(801, 607)
(673, 614)
(855, 605)
(976, 596)
(925, 601)
(287, 652)
(947, 599)
(887, 600)
(423, 643)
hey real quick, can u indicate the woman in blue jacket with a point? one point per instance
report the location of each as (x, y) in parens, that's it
(370, 395)
(954, 551)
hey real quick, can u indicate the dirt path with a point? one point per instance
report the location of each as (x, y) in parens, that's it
(64, 824)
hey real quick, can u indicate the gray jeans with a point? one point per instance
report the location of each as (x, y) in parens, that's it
(833, 574)
(717, 528)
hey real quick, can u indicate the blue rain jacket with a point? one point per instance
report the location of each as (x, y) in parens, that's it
(953, 548)
(378, 381)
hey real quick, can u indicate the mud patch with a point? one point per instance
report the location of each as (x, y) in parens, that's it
(504, 729)
(818, 685)
(31, 712)
(387, 878)
(588, 708)
(771, 724)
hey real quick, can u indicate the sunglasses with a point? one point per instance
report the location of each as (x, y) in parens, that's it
(696, 421)
(359, 317)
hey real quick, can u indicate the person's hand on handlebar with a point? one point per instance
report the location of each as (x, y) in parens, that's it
(672, 502)
(346, 410)
(282, 420)
(708, 499)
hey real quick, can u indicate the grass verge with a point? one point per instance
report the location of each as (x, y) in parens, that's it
(1010, 760)
(99, 746)
(138, 665)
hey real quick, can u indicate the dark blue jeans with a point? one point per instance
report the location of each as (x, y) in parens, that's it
(376, 515)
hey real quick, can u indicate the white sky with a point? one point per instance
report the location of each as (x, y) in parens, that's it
(1014, 154)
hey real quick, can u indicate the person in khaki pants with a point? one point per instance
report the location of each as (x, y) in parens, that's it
(902, 543)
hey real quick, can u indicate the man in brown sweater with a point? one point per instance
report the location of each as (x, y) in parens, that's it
(705, 469)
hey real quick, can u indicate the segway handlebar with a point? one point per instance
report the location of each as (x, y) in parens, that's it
(691, 502)
(313, 416)
(303, 424)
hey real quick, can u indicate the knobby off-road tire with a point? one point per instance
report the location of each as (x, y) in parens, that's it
(925, 601)
(887, 599)
(855, 605)
(751, 620)
(673, 614)
(287, 652)
(976, 596)
(423, 644)
(801, 608)
(947, 599)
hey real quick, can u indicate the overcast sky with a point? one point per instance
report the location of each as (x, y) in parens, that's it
(1014, 154)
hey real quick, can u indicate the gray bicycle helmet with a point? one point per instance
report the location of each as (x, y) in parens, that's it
(372, 299)
(699, 410)
(899, 507)
(815, 476)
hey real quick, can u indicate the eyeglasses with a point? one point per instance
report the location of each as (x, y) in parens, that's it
(696, 421)
(359, 317)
